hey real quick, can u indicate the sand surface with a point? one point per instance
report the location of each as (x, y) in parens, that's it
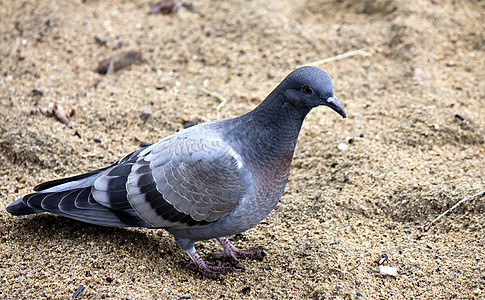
(412, 145)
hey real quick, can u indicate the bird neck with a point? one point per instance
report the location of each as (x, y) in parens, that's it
(270, 132)
(278, 118)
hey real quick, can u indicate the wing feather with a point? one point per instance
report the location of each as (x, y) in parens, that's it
(187, 182)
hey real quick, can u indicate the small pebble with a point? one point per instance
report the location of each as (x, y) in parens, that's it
(383, 258)
(146, 113)
(246, 289)
(119, 61)
(165, 7)
(388, 271)
(96, 83)
(420, 75)
(194, 122)
(78, 291)
(145, 144)
(160, 87)
(343, 146)
(96, 140)
(109, 279)
(457, 116)
(100, 40)
(36, 92)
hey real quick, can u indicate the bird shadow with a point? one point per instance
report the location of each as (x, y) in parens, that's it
(54, 230)
(46, 232)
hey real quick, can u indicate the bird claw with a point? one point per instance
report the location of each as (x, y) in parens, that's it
(234, 253)
(224, 256)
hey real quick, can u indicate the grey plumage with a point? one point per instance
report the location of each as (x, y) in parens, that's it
(208, 181)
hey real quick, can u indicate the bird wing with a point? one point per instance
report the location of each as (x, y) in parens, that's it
(179, 182)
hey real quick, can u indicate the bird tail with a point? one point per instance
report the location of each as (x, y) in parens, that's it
(23, 207)
(77, 204)
(18, 208)
(73, 197)
(39, 202)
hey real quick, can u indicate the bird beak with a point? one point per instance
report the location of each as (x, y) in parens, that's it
(332, 102)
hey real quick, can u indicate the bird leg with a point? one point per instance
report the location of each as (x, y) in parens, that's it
(232, 253)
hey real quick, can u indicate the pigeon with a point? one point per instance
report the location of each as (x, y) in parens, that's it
(205, 182)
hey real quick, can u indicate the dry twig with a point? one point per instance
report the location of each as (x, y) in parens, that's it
(216, 95)
(361, 51)
(478, 195)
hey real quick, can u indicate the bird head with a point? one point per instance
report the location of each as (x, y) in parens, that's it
(309, 87)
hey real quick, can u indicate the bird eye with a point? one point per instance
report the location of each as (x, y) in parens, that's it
(307, 90)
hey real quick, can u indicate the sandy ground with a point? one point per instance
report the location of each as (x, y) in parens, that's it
(415, 100)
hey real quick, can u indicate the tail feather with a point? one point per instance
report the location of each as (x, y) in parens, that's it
(73, 179)
(73, 197)
(18, 208)
(77, 204)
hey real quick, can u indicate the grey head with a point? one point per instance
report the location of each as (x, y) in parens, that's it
(309, 87)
